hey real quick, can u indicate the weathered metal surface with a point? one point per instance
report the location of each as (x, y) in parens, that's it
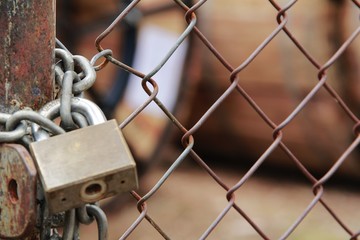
(17, 192)
(84, 165)
(27, 33)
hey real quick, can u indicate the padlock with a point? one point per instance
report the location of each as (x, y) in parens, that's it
(84, 166)
(17, 192)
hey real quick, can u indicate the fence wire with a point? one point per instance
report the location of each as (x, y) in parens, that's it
(193, 32)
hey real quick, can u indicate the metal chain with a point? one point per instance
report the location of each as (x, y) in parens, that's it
(74, 74)
(15, 134)
(101, 220)
(72, 85)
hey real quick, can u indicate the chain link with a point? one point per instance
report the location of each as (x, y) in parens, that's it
(74, 74)
(83, 215)
(15, 134)
(101, 220)
(70, 77)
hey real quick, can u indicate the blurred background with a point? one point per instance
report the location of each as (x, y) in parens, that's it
(234, 136)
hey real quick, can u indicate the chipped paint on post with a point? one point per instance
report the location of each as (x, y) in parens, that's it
(27, 30)
(17, 193)
(27, 33)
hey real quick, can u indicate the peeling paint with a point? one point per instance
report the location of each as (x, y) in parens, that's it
(26, 77)
(18, 203)
(7, 88)
(27, 71)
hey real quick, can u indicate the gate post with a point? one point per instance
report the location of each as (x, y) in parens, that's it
(27, 33)
(27, 41)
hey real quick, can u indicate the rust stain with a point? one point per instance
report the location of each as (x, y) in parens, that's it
(18, 192)
(26, 77)
(26, 54)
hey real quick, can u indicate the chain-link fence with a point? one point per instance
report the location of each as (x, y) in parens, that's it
(285, 74)
(261, 84)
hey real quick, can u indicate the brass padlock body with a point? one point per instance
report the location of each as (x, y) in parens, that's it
(84, 165)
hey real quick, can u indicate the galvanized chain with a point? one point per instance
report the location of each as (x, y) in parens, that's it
(74, 74)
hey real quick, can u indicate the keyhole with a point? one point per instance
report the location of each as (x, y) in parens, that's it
(13, 191)
(93, 189)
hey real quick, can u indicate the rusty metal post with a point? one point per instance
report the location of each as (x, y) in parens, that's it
(27, 33)
(27, 41)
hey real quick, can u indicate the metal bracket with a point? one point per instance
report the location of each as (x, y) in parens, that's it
(18, 179)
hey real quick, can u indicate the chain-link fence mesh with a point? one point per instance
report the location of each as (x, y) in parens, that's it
(278, 79)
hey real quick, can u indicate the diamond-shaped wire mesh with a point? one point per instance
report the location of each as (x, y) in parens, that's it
(277, 80)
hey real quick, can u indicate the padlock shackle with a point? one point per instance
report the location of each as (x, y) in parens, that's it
(88, 109)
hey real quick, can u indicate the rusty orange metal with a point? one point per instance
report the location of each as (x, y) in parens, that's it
(27, 30)
(26, 53)
(17, 192)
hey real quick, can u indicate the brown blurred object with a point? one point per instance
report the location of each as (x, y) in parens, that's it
(278, 79)
(147, 131)
(79, 24)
